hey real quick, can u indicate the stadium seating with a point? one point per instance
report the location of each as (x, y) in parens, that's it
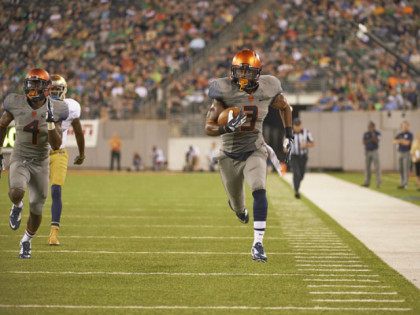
(116, 53)
(112, 52)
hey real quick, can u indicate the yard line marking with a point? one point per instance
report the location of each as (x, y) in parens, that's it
(330, 265)
(335, 270)
(143, 252)
(153, 237)
(340, 275)
(162, 226)
(340, 280)
(319, 246)
(352, 293)
(358, 301)
(346, 286)
(123, 273)
(215, 307)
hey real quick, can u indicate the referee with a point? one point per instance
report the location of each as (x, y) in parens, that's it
(302, 141)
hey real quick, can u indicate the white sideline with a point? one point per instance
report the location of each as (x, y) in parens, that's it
(339, 270)
(388, 226)
(216, 307)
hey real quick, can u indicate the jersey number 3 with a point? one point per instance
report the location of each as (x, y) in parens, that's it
(33, 128)
(251, 112)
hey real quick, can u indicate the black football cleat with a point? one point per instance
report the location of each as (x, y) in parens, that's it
(257, 253)
(242, 216)
(25, 250)
(15, 217)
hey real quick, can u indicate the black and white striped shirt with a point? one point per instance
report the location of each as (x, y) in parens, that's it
(300, 138)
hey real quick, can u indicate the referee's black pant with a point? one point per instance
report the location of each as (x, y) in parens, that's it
(298, 164)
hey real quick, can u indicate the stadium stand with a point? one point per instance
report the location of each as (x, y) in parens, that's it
(120, 56)
(112, 52)
(315, 47)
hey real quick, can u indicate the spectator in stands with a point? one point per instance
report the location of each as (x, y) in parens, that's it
(303, 140)
(415, 157)
(115, 145)
(403, 141)
(371, 143)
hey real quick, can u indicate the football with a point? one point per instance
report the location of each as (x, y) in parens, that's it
(223, 117)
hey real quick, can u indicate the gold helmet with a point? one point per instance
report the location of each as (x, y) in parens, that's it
(246, 69)
(58, 87)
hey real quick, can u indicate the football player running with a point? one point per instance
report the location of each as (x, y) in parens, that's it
(244, 152)
(38, 126)
(59, 158)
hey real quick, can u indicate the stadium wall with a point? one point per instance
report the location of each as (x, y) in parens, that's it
(338, 137)
(136, 136)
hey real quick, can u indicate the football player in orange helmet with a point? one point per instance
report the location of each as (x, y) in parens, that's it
(37, 85)
(246, 69)
(37, 119)
(244, 152)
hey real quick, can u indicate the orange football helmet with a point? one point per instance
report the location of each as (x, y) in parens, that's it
(37, 84)
(246, 69)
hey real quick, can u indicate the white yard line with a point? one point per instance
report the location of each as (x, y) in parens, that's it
(351, 293)
(181, 274)
(143, 252)
(346, 286)
(340, 280)
(358, 301)
(216, 307)
(335, 270)
(330, 265)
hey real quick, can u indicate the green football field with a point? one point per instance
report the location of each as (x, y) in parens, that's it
(168, 244)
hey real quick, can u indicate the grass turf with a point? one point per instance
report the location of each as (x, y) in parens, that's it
(390, 181)
(168, 240)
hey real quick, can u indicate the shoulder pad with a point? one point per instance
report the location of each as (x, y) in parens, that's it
(219, 87)
(270, 85)
(13, 101)
(61, 110)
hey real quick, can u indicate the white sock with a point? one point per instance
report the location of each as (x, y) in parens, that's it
(259, 230)
(19, 205)
(27, 237)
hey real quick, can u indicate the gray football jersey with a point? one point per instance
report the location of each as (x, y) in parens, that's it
(250, 137)
(31, 127)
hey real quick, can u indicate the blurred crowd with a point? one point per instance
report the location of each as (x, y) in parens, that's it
(313, 46)
(112, 52)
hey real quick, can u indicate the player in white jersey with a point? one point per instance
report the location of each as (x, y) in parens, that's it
(244, 152)
(59, 158)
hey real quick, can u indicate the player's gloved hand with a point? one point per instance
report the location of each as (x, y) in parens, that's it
(2, 166)
(79, 160)
(50, 114)
(287, 148)
(234, 123)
